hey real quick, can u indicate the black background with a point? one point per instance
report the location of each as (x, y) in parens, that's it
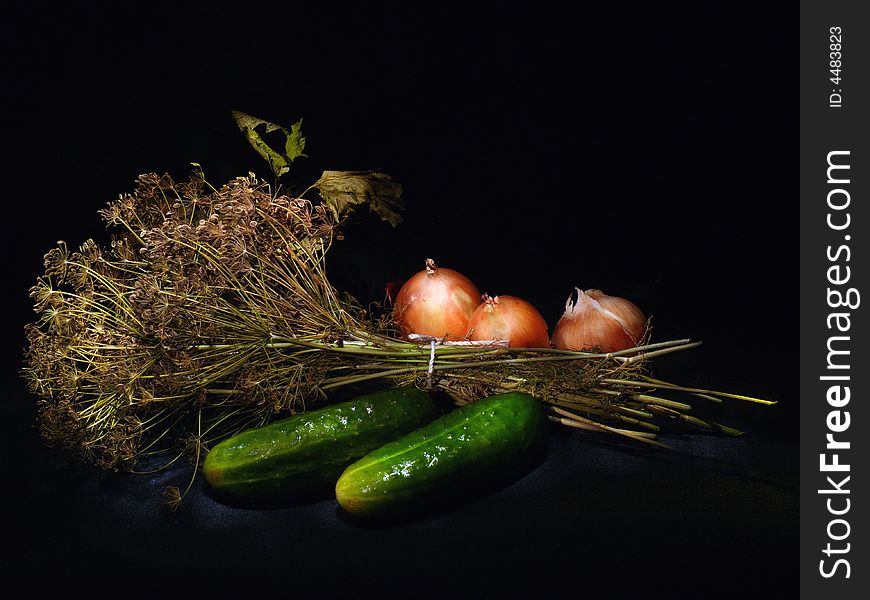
(643, 150)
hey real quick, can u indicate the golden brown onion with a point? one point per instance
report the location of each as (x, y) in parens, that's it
(509, 318)
(596, 320)
(437, 302)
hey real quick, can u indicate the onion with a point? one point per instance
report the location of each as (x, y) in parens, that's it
(509, 318)
(436, 302)
(596, 320)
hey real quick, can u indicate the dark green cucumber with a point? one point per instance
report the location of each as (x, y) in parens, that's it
(307, 452)
(465, 445)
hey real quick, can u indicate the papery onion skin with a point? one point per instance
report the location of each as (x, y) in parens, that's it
(437, 302)
(509, 318)
(596, 320)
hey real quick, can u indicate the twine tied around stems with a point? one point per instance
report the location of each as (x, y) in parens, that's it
(434, 341)
(431, 364)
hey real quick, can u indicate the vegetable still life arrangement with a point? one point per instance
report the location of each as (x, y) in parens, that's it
(207, 329)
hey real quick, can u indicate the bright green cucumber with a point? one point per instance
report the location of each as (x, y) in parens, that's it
(472, 442)
(301, 454)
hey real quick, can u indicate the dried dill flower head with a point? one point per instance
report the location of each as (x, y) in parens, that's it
(183, 320)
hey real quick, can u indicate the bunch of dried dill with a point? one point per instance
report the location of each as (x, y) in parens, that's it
(211, 311)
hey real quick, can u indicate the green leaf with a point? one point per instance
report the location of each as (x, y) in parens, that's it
(294, 143)
(343, 191)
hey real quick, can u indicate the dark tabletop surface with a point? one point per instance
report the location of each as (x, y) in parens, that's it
(714, 517)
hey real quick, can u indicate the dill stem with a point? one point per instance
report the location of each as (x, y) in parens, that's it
(679, 388)
(647, 399)
(647, 355)
(581, 425)
(622, 432)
